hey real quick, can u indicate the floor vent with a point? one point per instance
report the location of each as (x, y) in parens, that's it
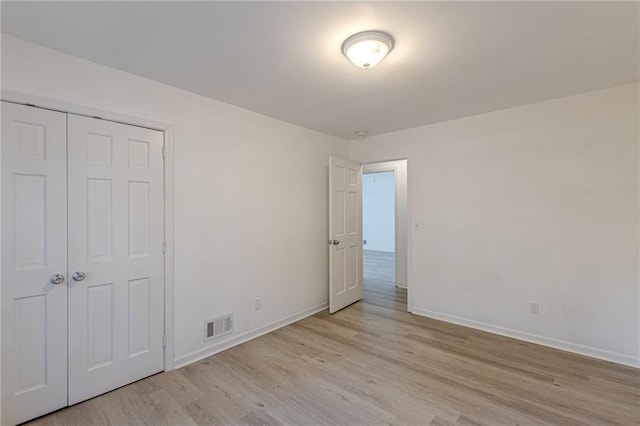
(217, 327)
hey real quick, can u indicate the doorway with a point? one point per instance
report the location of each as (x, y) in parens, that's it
(384, 221)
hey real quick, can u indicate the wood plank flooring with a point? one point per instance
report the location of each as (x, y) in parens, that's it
(374, 364)
(379, 267)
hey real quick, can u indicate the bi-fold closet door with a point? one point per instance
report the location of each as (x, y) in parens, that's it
(82, 258)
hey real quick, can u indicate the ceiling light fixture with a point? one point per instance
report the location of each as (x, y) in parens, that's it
(367, 48)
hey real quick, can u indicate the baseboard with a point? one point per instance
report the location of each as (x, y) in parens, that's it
(589, 351)
(232, 341)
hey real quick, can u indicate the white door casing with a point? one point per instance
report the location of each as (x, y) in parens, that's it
(345, 233)
(34, 247)
(116, 313)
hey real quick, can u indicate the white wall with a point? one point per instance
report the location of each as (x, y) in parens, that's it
(250, 192)
(378, 211)
(538, 202)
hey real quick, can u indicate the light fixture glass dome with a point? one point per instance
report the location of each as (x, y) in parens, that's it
(368, 48)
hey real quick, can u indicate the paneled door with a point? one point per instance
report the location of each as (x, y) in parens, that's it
(34, 262)
(345, 233)
(82, 258)
(116, 267)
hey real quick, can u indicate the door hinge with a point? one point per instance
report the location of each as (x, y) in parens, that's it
(164, 247)
(164, 340)
(164, 151)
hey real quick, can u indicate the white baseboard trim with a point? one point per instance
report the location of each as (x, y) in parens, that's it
(533, 338)
(232, 341)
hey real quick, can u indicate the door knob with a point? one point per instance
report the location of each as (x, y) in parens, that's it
(56, 279)
(335, 242)
(78, 276)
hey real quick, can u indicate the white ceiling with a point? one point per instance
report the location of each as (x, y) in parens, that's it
(283, 59)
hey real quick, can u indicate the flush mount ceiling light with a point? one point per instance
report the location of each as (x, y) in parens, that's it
(367, 48)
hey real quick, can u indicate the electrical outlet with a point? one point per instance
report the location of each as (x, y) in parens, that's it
(257, 304)
(534, 308)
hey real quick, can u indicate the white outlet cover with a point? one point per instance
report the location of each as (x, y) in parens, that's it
(534, 308)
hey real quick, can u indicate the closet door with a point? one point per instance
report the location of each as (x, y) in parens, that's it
(116, 283)
(34, 262)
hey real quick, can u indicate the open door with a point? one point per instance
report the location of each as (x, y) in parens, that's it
(345, 233)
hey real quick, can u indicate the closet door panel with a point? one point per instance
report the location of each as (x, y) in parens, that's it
(116, 313)
(34, 249)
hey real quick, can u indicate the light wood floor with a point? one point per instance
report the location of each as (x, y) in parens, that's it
(379, 267)
(374, 364)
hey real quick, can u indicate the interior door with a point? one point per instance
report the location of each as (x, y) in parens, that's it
(116, 283)
(34, 250)
(345, 233)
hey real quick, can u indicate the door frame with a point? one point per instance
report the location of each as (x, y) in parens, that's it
(387, 166)
(168, 177)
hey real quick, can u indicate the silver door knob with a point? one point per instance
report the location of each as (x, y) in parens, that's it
(56, 279)
(335, 242)
(78, 276)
